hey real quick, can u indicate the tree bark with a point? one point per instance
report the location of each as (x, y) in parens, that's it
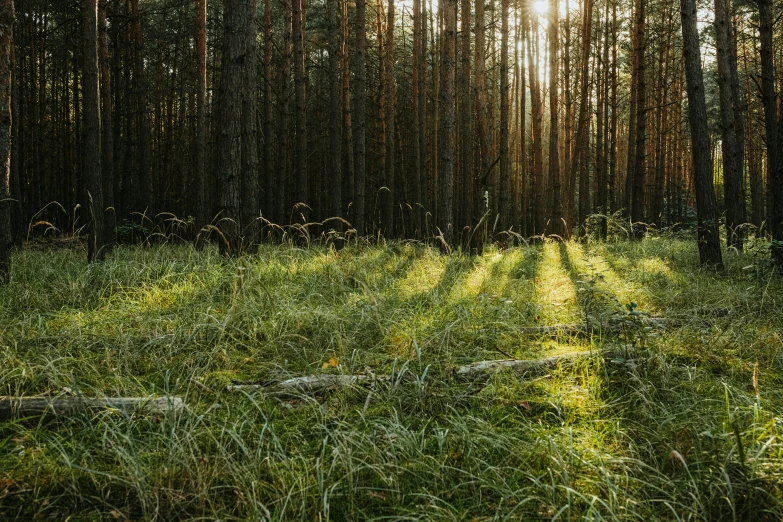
(92, 131)
(505, 189)
(360, 113)
(389, 197)
(731, 124)
(300, 102)
(237, 22)
(107, 126)
(446, 143)
(145, 200)
(202, 214)
(771, 124)
(706, 206)
(554, 126)
(7, 16)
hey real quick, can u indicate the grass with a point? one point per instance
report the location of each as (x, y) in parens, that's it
(679, 433)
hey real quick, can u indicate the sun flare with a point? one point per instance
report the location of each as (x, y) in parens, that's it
(540, 6)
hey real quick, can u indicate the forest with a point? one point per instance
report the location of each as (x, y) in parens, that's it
(398, 259)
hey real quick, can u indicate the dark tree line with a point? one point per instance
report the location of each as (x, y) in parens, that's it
(451, 121)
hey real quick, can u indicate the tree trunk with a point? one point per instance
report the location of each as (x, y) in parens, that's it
(107, 125)
(446, 125)
(335, 114)
(282, 171)
(732, 133)
(360, 112)
(7, 16)
(202, 210)
(485, 162)
(771, 124)
(92, 131)
(466, 183)
(300, 90)
(706, 207)
(237, 22)
(640, 151)
(249, 180)
(582, 138)
(554, 138)
(389, 197)
(145, 199)
(505, 189)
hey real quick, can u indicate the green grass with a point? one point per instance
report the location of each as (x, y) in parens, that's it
(676, 434)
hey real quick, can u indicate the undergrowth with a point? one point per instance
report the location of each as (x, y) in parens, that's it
(686, 427)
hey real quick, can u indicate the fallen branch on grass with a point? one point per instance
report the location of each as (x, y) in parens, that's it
(484, 368)
(308, 385)
(65, 406)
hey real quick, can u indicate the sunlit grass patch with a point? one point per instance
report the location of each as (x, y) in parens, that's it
(652, 434)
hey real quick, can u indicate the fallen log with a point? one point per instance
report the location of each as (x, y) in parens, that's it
(307, 385)
(485, 368)
(65, 406)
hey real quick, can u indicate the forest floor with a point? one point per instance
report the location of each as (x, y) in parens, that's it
(682, 423)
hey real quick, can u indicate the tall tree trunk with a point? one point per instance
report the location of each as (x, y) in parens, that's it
(249, 173)
(522, 130)
(300, 90)
(706, 206)
(446, 143)
(270, 179)
(582, 138)
(418, 114)
(345, 91)
(335, 115)
(202, 210)
(640, 151)
(505, 189)
(237, 22)
(7, 16)
(485, 162)
(92, 131)
(145, 200)
(360, 112)
(554, 126)
(613, 189)
(465, 122)
(771, 124)
(282, 172)
(107, 124)
(389, 198)
(537, 127)
(732, 137)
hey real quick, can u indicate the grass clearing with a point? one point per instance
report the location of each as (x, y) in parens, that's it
(678, 433)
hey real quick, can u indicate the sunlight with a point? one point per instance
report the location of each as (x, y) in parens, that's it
(540, 6)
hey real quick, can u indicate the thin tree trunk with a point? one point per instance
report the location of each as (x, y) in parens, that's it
(771, 124)
(202, 216)
(300, 90)
(554, 128)
(503, 182)
(249, 181)
(107, 124)
(146, 197)
(446, 143)
(92, 131)
(360, 111)
(335, 115)
(7, 16)
(640, 152)
(389, 198)
(732, 138)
